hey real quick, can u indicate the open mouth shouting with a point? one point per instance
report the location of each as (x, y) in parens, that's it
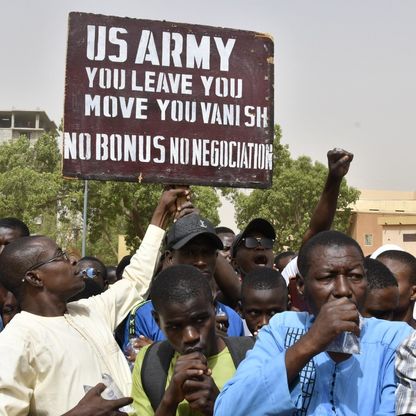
(260, 260)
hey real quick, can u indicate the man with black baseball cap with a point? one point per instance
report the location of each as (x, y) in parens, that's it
(189, 227)
(190, 240)
(253, 247)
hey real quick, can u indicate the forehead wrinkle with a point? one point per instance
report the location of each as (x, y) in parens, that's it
(42, 247)
(333, 255)
(349, 266)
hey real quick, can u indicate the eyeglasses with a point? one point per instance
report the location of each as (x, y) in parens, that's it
(62, 255)
(254, 242)
(90, 272)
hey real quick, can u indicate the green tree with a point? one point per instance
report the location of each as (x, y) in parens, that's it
(31, 185)
(32, 188)
(289, 203)
(126, 208)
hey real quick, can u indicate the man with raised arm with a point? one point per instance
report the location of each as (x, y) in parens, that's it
(53, 350)
(253, 247)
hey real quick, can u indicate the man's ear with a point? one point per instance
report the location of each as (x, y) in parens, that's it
(235, 266)
(300, 284)
(169, 257)
(413, 295)
(156, 317)
(239, 308)
(33, 279)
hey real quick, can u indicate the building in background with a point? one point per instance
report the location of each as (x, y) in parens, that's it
(384, 217)
(32, 124)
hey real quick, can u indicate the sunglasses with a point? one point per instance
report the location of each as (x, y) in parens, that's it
(254, 242)
(90, 272)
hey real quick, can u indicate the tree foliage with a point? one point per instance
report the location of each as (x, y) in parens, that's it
(289, 203)
(32, 188)
(31, 185)
(126, 208)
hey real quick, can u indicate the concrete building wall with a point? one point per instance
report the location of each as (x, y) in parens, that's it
(12, 134)
(366, 231)
(383, 217)
(33, 124)
(398, 234)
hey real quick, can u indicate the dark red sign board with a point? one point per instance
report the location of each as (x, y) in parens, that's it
(167, 102)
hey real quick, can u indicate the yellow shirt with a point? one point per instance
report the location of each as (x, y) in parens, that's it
(222, 367)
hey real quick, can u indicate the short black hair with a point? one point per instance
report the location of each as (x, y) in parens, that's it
(178, 284)
(326, 239)
(124, 262)
(100, 264)
(224, 230)
(15, 224)
(283, 255)
(16, 258)
(263, 278)
(403, 257)
(378, 275)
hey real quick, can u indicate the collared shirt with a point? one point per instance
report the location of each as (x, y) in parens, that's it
(406, 374)
(364, 384)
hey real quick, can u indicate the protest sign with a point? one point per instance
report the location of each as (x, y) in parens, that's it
(157, 101)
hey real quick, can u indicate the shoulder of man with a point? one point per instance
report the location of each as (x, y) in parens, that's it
(142, 307)
(228, 310)
(389, 333)
(142, 312)
(291, 319)
(140, 321)
(238, 347)
(18, 328)
(235, 328)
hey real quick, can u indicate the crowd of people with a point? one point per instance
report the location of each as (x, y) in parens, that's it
(201, 321)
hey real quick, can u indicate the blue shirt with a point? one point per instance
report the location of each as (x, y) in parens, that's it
(364, 384)
(144, 323)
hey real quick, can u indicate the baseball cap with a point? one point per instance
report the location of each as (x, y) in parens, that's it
(257, 225)
(189, 227)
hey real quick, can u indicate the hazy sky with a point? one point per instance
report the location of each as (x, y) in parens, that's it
(345, 70)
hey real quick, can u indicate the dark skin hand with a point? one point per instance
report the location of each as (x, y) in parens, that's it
(339, 161)
(173, 204)
(222, 324)
(92, 404)
(335, 317)
(201, 394)
(190, 373)
(138, 343)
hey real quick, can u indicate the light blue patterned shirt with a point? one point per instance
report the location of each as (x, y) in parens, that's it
(364, 384)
